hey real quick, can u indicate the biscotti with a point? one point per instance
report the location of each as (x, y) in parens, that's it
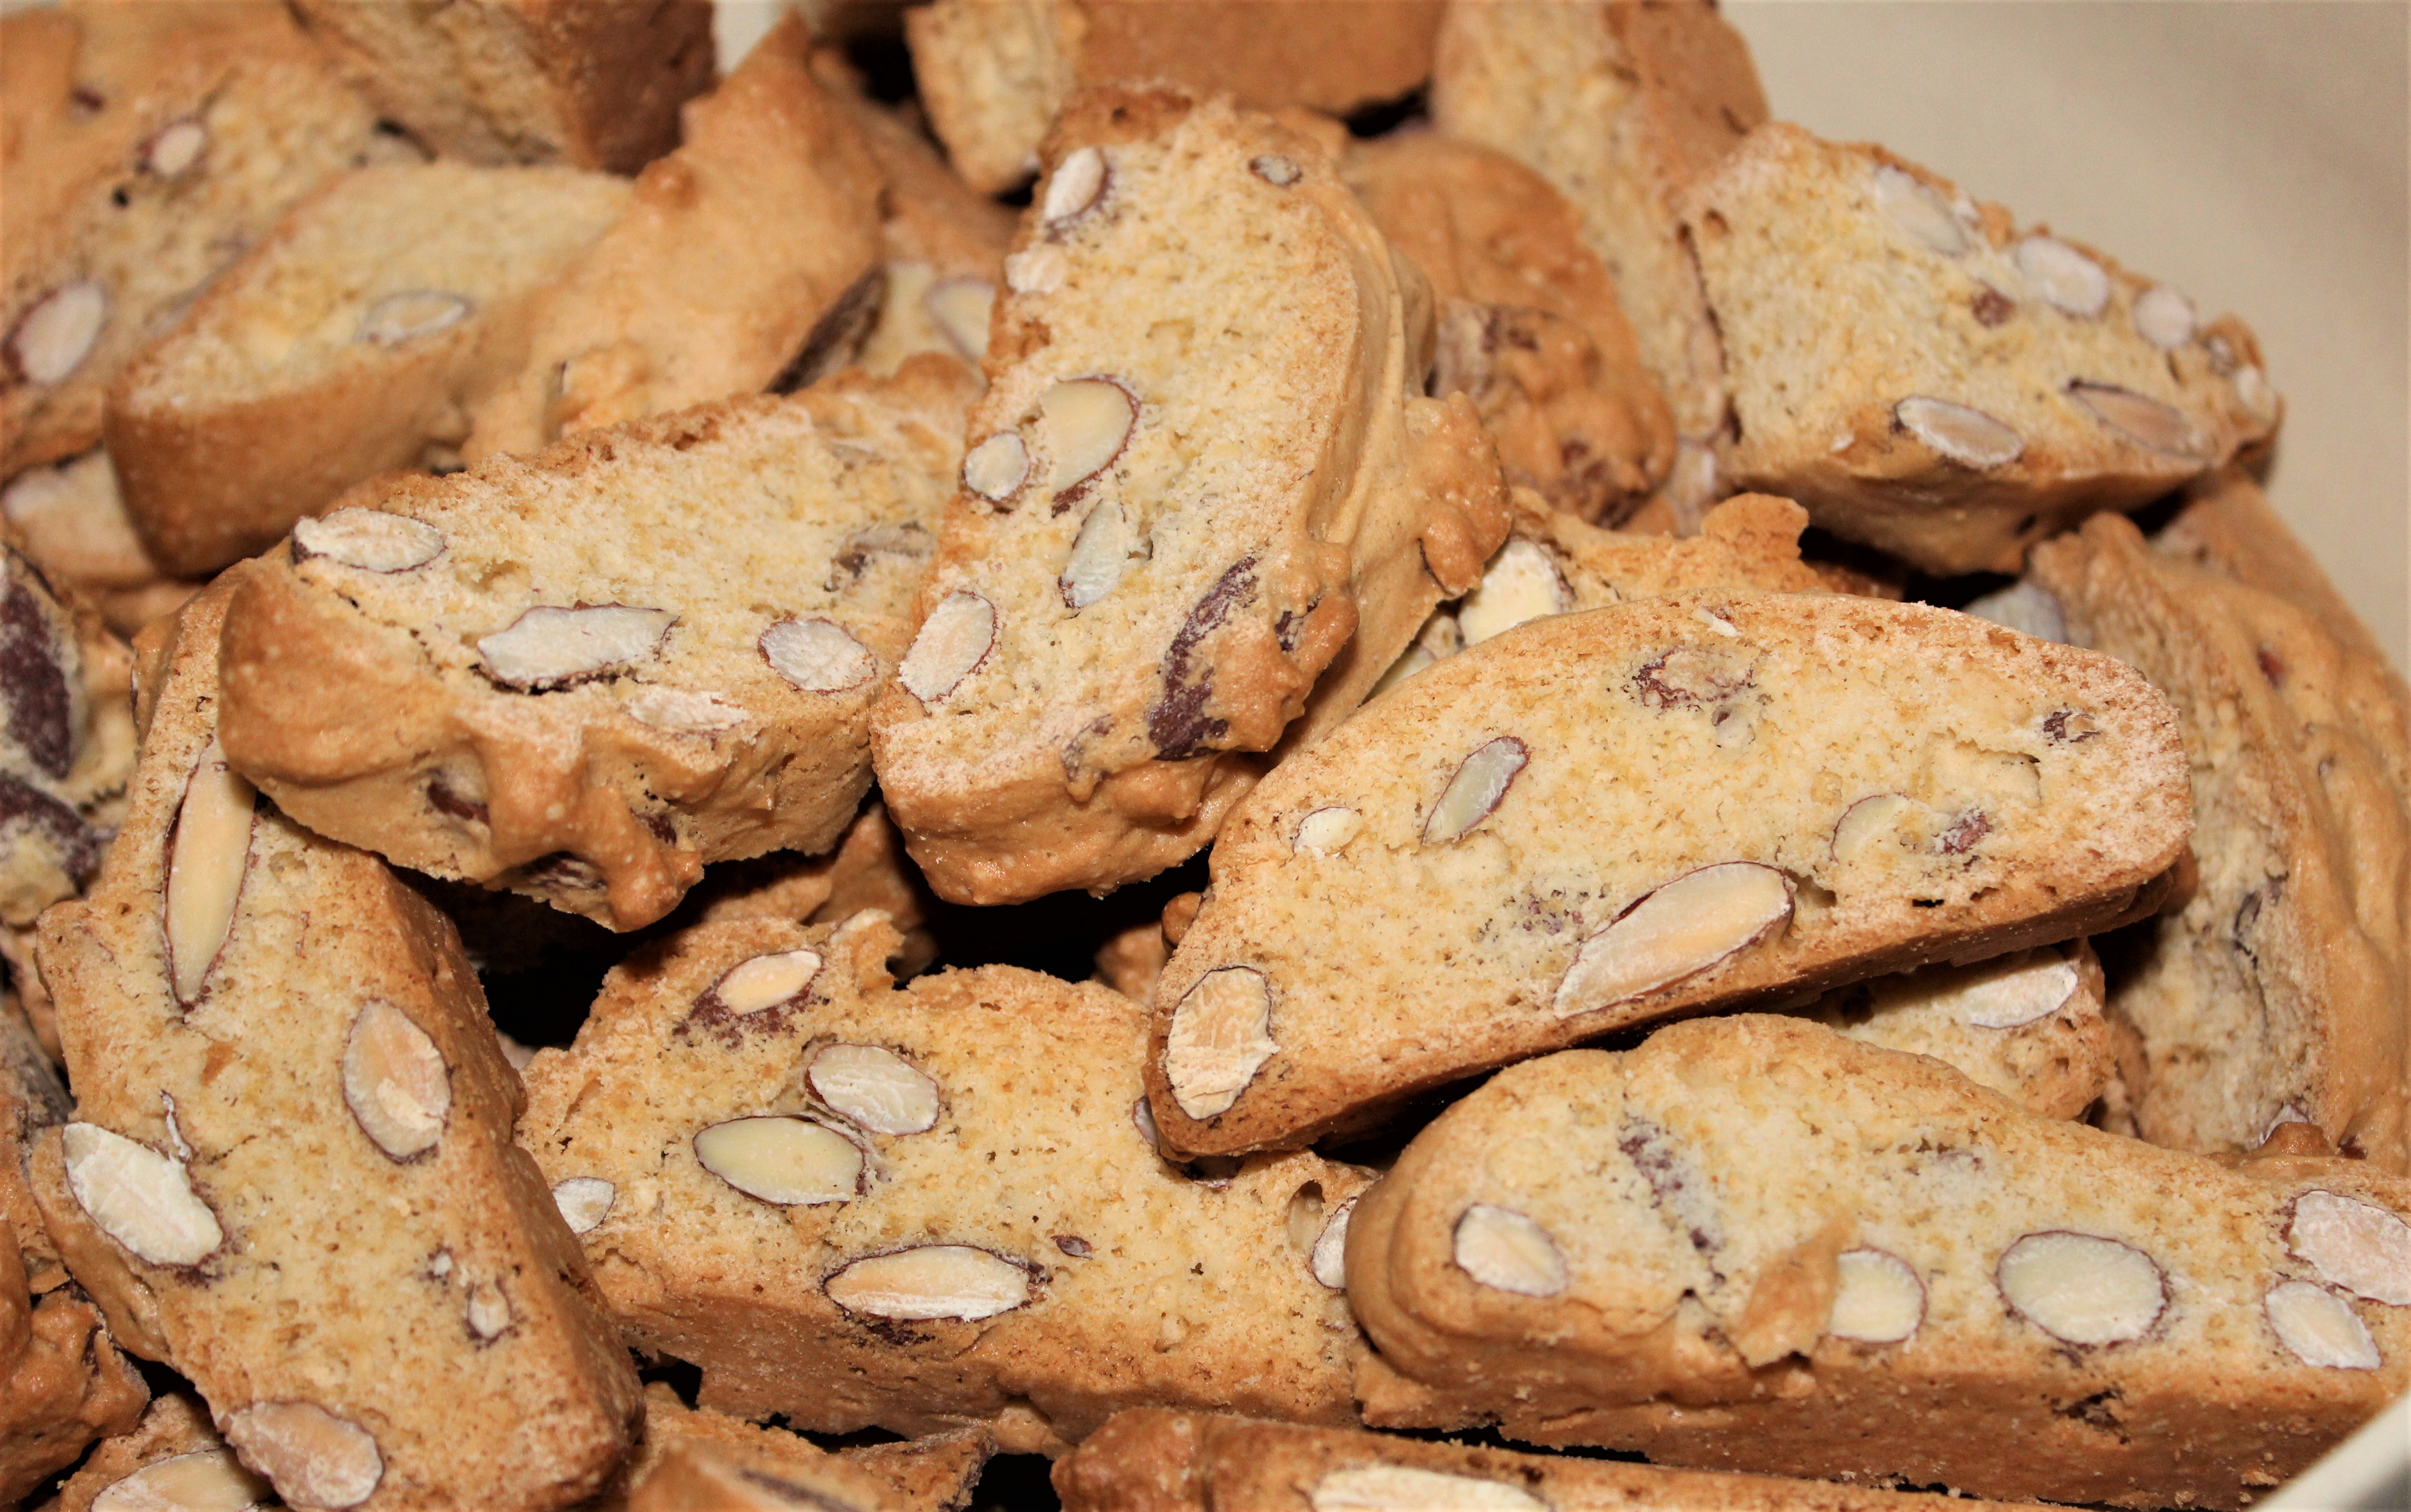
(695, 1459)
(290, 1175)
(1698, 801)
(1148, 1459)
(941, 1201)
(66, 741)
(2022, 381)
(1753, 1244)
(994, 76)
(586, 674)
(748, 262)
(69, 520)
(585, 83)
(147, 146)
(172, 1458)
(1203, 496)
(2277, 994)
(353, 340)
(1528, 324)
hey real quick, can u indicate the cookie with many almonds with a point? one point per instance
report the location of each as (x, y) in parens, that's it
(1753, 1244)
(1699, 801)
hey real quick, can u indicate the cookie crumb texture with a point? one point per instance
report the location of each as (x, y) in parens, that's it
(1778, 1250)
(1017, 1255)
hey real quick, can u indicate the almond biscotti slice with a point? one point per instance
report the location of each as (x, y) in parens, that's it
(585, 83)
(1148, 1459)
(1529, 323)
(69, 520)
(922, 1208)
(1699, 801)
(748, 262)
(66, 741)
(172, 1458)
(1751, 1243)
(586, 674)
(2018, 383)
(353, 341)
(290, 1175)
(2277, 994)
(1203, 496)
(146, 147)
(695, 1459)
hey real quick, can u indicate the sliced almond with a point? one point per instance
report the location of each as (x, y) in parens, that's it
(1676, 933)
(960, 308)
(1220, 1038)
(2145, 421)
(1694, 676)
(952, 643)
(203, 1480)
(930, 1282)
(2082, 1289)
(208, 857)
(489, 1312)
(549, 647)
(1076, 186)
(781, 1159)
(2009, 992)
(1876, 1299)
(1275, 170)
(1326, 831)
(584, 1201)
(2354, 1244)
(1476, 791)
(1101, 554)
(1866, 824)
(2252, 391)
(878, 1089)
(369, 539)
(1502, 1248)
(412, 314)
(2320, 1328)
(818, 656)
(763, 982)
(2063, 275)
(54, 337)
(998, 467)
(1407, 1488)
(314, 1458)
(1918, 211)
(1965, 435)
(677, 708)
(1083, 425)
(1039, 270)
(1329, 1260)
(176, 146)
(1522, 583)
(395, 1082)
(1143, 1119)
(2164, 317)
(139, 1198)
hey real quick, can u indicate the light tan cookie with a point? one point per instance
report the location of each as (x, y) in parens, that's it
(748, 262)
(2227, 528)
(922, 1208)
(1753, 1244)
(586, 674)
(2278, 993)
(290, 1175)
(69, 519)
(695, 1459)
(66, 740)
(2019, 384)
(1699, 801)
(146, 147)
(353, 340)
(1203, 496)
(172, 1458)
(993, 77)
(588, 83)
(1148, 1459)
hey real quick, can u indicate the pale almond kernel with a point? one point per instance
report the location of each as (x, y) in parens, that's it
(1504, 1250)
(1083, 424)
(2011, 993)
(2164, 317)
(1219, 1039)
(412, 314)
(2082, 1289)
(680, 710)
(1475, 792)
(960, 308)
(1039, 270)
(2144, 420)
(1326, 831)
(817, 656)
(878, 1089)
(2252, 389)
(369, 539)
(2319, 1327)
(177, 146)
(1330, 1256)
(930, 1282)
(584, 1201)
(1918, 211)
(139, 1198)
(54, 337)
(2355, 1244)
(765, 981)
(1963, 434)
(1866, 824)
(1522, 583)
(1408, 1488)
(203, 1480)
(489, 1312)
(208, 857)
(1878, 1299)
(1077, 185)
(1275, 170)
(1676, 933)
(952, 644)
(997, 468)
(549, 647)
(781, 1159)
(395, 1082)
(314, 1458)
(2064, 276)
(1101, 554)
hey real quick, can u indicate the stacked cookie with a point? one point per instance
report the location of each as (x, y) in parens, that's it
(533, 953)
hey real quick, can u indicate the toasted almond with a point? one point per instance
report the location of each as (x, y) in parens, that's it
(1918, 211)
(395, 1082)
(139, 1198)
(1961, 432)
(1326, 831)
(549, 647)
(817, 656)
(1876, 1300)
(314, 1458)
(781, 1159)
(2319, 1327)
(1502, 1248)
(369, 539)
(2164, 317)
(1220, 1036)
(2064, 276)
(952, 645)
(960, 308)
(1476, 789)
(930, 1282)
(584, 1201)
(1077, 183)
(200, 1480)
(53, 338)
(2082, 1289)
(878, 1089)
(1522, 583)
(1674, 932)
(208, 858)
(2354, 1244)
(1083, 425)
(998, 467)
(1408, 1488)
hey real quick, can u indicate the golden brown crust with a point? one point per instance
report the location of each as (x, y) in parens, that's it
(708, 1461)
(171, 1425)
(2228, 529)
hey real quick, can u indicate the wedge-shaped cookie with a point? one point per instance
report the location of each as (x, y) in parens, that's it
(1751, 1243)
(69, 520)
(2277, 994)
(588, 83)
(1677, 804)
(66, 740)
(173, 1458)
(1183, 522)
(586, 674)
(146, 147)
(748, 261)
(924, 1208)
(290, 1175)
(2022, 381)
(1148, 1459)
(707, 1461)
(353, 341)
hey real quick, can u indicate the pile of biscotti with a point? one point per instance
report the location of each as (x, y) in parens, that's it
(1719, 824)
